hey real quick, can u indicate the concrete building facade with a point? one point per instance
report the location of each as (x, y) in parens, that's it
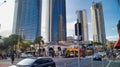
(82, 18)
(98, 26)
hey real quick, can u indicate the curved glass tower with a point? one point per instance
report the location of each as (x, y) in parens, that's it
(27, 18)
(56, 20)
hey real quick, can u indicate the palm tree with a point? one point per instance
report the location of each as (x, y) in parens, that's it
(39, 40)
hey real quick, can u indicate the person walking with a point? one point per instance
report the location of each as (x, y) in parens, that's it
(12, 57)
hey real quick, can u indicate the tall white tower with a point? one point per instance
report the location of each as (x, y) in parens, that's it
(98, 26)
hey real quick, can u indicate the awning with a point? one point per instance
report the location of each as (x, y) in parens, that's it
(117, 44)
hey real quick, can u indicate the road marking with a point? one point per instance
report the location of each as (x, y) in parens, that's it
(109, 63)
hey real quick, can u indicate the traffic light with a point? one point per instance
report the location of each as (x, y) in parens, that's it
(78, 30)
(0, 37)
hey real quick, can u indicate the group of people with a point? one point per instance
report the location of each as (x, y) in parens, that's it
(112, 55)
(11, 55)
(3, 56)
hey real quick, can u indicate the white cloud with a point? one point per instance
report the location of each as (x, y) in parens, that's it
(112, 38)
(89, 23)
(114, 28)
(6, 33)
(91, 39)
(70, 28)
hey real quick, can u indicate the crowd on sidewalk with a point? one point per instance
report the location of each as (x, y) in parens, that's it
(113, 55)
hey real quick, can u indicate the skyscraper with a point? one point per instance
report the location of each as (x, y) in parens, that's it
(27, 18)
(56, 20)
(98, 26)
(82, 18)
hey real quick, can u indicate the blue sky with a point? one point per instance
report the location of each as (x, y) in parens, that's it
(110, 9)
(111, 13)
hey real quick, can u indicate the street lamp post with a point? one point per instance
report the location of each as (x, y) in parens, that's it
(21, 36)
(1, 5)
(22, 33)
(3, 2)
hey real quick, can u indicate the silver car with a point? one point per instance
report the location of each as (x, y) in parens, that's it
(36, 62)
(97, 56)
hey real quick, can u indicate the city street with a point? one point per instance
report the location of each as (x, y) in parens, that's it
(75, 33)
(84, 62)
(66, 62)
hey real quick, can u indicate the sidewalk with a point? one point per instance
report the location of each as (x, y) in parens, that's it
(8, 61)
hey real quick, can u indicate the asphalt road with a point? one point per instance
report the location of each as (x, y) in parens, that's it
(84, 62)
(66, 62)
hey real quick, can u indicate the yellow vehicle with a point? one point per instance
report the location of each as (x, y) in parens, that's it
(89, 52)
(71, 52)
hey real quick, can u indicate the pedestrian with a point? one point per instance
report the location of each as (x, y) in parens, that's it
(114, 56)
(12, 57)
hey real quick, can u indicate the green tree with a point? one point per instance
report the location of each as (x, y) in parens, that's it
(26, 45)
(13, 39)
(39, 40)
(5, 45)
(10, 43)
(97, 43)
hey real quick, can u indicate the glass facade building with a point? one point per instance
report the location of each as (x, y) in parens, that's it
(56, 20)
(27, 18)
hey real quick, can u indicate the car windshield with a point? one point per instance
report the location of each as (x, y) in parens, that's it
(26, 62)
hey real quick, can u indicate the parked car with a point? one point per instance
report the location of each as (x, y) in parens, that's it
(103, 54)
(24, 55)
(97, 56)
(36, 62)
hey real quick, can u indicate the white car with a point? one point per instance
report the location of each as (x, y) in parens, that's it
(36, 62)
(103, 54)
(23, 55)
(97, 56)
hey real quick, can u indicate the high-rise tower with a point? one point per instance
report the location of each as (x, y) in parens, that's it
(98, 26)
(82, 18)
(56, 20)
(27, 18)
